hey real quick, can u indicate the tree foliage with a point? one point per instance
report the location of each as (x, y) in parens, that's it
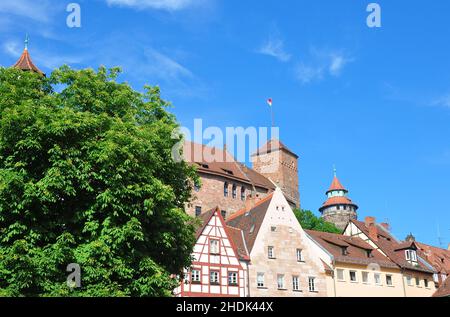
(87, 177)
(309, 221)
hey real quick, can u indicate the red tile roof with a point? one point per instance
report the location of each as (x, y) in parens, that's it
(394, 248)
(250, 221)
(338, 200)
(439, 258)
(356, 249)
(336, 185)
(25, 63)
(444, 290)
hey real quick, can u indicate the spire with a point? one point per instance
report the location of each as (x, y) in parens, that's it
(25, 63)
(27, 39)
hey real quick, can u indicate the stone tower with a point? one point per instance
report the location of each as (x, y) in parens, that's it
(276, 162)
(338, 208)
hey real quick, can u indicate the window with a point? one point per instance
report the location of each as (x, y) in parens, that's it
(425, 281)
(312, 284)
(377, 278)
(196, 188)
(338, 207)
(344, 251)
(300, 255)
(411, 255)
(243, 193)
(234, 192)
(409, 280)
(224, 214)
(233, 278)
(340, 274)
(260, 279)
(195, 276)
(280, 281)
(295, 283)
(198, 211)
(225, 189)
(273, 229)
(389, 281)
(365, 277)
(214, 278)
(271, 252)
(214, 246)
(353, 277)
(417, 282)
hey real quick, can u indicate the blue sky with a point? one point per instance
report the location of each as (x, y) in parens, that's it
(375, 102)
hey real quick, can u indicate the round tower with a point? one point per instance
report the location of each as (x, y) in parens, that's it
(338, 208)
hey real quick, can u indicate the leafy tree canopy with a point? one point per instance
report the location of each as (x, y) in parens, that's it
(309, 221)
(87, 177)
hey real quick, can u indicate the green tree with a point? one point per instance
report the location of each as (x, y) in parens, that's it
(308, 220)
(87, 177)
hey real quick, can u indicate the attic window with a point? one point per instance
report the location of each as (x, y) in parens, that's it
(203, 165)
(369, 254)
(344, 251)
(227, 171)
(273, 229)
(252, 229)
(411, 255)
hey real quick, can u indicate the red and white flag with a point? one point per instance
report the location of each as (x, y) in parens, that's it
(269, 102)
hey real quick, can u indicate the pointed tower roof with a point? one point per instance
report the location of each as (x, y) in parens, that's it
(25, 63)
(336, 185)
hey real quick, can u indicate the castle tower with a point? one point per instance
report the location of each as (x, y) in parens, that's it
(276, 162)
(25, 63)
(338, 208)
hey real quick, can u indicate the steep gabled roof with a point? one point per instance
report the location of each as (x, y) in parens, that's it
(235, 235)
(250, 220)
(356, 249)
(394, 248)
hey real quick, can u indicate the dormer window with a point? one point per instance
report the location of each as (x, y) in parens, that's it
(411, 255)
(344, 251)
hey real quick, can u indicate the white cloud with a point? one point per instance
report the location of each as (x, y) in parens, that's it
(169, 5)
(321, 64)
(37, 10)
(337, 63)
(443, 101)
(165, 67)
(275, 47)
(307, 74)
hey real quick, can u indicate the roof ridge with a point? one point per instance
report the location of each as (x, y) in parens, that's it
(244, 210)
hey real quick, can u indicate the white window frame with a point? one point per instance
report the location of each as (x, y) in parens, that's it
(377, 279)
(390, 278)
(295, 283)
(355, 274)
(367, 275)
(340, 275)
(233, 278)
(409, 281)
(280, 282)
(312, 284)
(260, 280)
(299, 253)
(271, 252)
(214, 277)
(214, 246)
(196, 276)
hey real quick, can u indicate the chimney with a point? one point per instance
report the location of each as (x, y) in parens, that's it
(250, 202)
(369, 221)
(386, 226)
(371, 225)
